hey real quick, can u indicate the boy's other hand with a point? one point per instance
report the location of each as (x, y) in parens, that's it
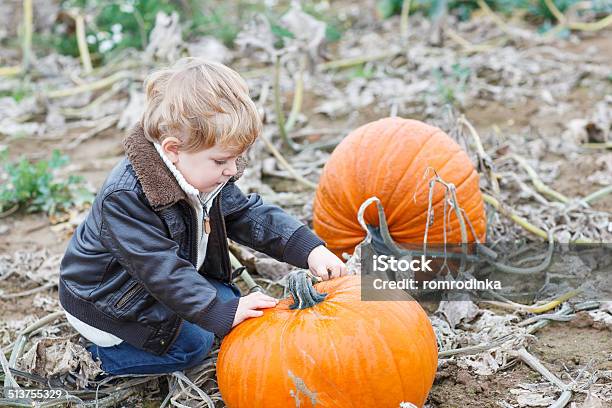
(324, 264)
(248, 306)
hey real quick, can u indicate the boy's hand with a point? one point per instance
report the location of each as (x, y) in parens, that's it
(324, 264)
(248, 306)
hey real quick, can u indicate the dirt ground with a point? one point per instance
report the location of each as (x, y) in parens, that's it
(563, 347)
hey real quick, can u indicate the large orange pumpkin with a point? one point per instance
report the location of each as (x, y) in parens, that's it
(393, 159)
(341, 352)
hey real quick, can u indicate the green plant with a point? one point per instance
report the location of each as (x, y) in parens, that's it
(33, 186)
(115, 25)
(536, 10)
(362, 71)
(450, 87)
(18, 92)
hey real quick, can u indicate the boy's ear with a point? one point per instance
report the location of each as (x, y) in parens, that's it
(170, 147)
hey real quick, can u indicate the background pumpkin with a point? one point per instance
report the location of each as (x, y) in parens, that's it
(341, 352)
(389, 159)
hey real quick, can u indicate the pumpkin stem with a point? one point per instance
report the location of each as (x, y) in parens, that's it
(304, 294)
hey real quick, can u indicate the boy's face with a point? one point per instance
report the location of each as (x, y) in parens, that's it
(205, 169)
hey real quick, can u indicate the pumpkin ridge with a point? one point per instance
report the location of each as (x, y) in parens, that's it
(412, 331)
(410, 164)
(423, 338)
(337, 358)
(358, 141)
(322, 204)
(331, 198)
(458, 151)
(397, 369)
(358, 316)
(342, 199)
(394, 132)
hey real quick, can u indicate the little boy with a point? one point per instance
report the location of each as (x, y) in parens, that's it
(146, 277)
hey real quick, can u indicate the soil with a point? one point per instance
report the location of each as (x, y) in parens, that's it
(564, 349)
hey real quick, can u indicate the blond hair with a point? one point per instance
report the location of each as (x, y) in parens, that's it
(202, 103)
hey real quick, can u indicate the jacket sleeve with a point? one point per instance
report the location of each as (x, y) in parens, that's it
(266, 228)
(137, 237)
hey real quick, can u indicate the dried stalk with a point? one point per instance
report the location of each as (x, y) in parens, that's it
(283, 162)
(10, 211)
(252, 286)
(92, 86)
(550, 316)
(523, 222)
(566, 310)
(604, 145)
(335, 64)
(22, 338)
(81, 40)
(496, 19)
(537, 182)
(106, 96)
(594, 26)
(484, 158)
(597, 195)
(27, 35)
(28, 292)
(102, 125)
(534, 363)
(404, 20)
(278, 107)
(536, 309)
(469, 46)
(476, 349)
(298, 95)
(9, 381)
(529, 270)
(349, 62)
(555, 302)
(182, 378)
(10, 71)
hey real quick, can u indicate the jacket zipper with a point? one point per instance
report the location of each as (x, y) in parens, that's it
(132, 291)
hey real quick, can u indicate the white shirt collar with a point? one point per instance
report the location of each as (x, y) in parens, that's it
(187, 188)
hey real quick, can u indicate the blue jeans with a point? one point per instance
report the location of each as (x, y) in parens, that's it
(190, 348)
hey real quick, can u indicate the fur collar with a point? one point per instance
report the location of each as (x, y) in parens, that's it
(158, 183)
